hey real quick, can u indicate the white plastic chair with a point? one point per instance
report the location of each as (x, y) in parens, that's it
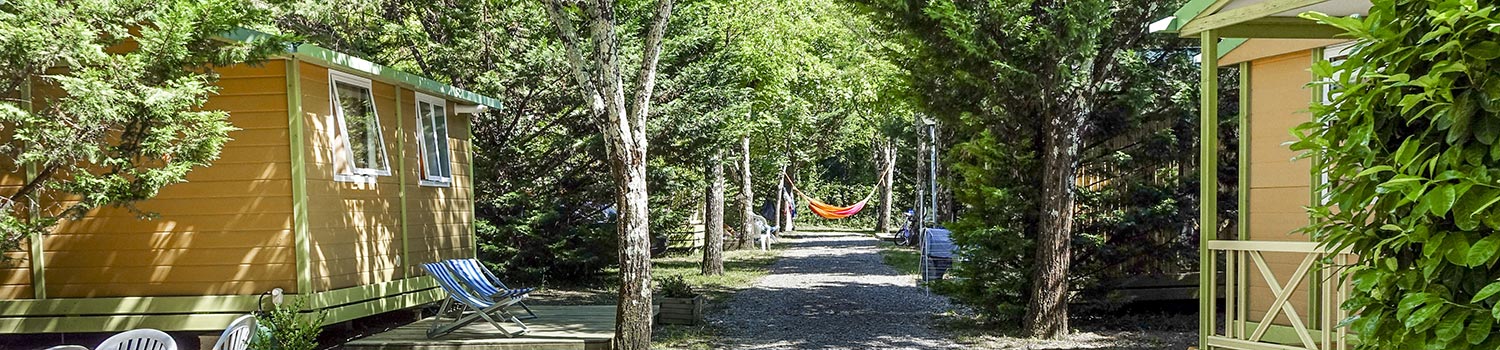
(139, 339)
(68, 347)
(237, 336)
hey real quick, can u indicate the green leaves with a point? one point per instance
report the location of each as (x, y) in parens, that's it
(1451, 326)
(1484, 50)
(1483, 252)
(1441, 199)
(1423, 90)
(1485, 293)
(118, 125)
(1479, 329)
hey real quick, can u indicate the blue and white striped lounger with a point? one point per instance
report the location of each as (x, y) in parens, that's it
(465, 307)
(483, 282)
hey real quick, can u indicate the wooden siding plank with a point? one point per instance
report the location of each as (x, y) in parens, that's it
(15, 277)
(231, 257)
(1278, 195)
(355, 226)
(229, 224)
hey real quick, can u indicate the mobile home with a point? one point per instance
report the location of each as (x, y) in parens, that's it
(1276, 295)
(343, 178)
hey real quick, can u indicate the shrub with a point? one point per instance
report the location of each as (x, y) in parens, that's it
(1408, 147)
(284, 328)
(675, 286)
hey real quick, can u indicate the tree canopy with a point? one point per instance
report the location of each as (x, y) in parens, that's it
(110, 101)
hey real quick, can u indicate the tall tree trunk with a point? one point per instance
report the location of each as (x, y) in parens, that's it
(633, 330)
(883, 222)
(1047, 311)
(747, 193)
(624, 127)
(713, 217)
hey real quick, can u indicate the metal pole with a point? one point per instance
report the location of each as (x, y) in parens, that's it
(932, 192)
(919, 208)
(932, 168)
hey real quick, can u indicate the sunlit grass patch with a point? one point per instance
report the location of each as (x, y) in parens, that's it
(903, 259)
(684, 337)
(741, 269)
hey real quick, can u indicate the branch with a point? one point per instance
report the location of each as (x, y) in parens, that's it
(649, 58)
(35, 183)
(575, 56)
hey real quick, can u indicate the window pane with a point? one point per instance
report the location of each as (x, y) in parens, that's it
(441, 119)
(428, 141)
(358, 109)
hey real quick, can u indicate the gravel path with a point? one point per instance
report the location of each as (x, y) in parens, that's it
(831, 290)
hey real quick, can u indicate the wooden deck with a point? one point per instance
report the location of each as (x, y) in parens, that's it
(582, 327)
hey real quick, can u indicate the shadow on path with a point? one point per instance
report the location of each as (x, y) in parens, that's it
(831, 290)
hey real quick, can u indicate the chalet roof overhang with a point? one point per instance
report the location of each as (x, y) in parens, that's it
(1276, 19)
(352, 64)
(1236, 21)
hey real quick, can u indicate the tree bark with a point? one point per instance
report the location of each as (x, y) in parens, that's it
(883, 221)
(747, 193)
(713, 217)
(1047, 311)
(624, 130)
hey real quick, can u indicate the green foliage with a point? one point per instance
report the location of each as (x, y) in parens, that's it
(803, 78)
(675, 286)
(996, 75)
(1407, 145)
(284, 328)
(118, 89)
(542, 189)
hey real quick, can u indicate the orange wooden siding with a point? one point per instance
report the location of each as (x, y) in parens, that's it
(1279, 188)
(440, 218)
(15, 273)
(356, 227)
(15, 266)
(229, 229)
(226, 231)
(353, 227)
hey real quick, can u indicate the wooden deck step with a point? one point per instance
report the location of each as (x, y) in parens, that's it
(581, 327)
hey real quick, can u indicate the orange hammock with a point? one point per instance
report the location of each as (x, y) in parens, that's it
(829, 211)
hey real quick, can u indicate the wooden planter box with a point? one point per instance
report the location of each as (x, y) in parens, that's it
(684, 311)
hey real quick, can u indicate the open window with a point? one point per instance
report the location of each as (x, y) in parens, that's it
(432, 127)
(359, 128)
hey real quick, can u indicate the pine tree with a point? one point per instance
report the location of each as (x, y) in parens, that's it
(103, 101)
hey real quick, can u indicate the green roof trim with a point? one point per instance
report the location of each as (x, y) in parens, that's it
(1229, 44)
(246, 35)
(1189, 11)
(352, 64)
(318, 54)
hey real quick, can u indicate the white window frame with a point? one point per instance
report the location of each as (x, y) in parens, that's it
(428, 179)
(355, 173)
(1333, 54)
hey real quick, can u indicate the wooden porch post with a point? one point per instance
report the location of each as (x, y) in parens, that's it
(1208, 182)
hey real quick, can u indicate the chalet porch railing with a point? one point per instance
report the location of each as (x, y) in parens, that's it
(1316, 329)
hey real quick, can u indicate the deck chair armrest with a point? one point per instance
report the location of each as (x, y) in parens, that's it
(512, 293)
